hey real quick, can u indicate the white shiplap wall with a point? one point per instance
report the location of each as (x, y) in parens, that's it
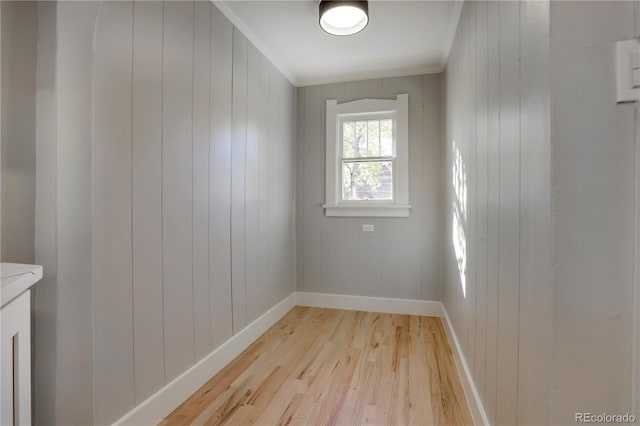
(545, 321)
(190, 175)
(497, 117)
(593, 206)
(19, 34)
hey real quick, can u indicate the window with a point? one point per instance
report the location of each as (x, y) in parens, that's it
(367, 158)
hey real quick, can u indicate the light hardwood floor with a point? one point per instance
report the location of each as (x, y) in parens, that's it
(334, 367)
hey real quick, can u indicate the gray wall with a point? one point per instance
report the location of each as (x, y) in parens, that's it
(63, 351)
(545, 320)
(593, 204)
(497, 289)
(166, 205)
(402, 257)
(19, 32)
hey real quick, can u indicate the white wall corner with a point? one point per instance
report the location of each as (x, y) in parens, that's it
(163, 402)
(370, 304)
(451, 33)
(635, 351)
(474, 401)
(237, 22)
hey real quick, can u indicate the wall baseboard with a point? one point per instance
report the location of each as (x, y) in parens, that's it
(163, 402)
(478, 412)
(370, 304)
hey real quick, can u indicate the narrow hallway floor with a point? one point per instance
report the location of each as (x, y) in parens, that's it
(334, 367)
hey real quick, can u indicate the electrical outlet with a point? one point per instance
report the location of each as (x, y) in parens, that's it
(367, 227)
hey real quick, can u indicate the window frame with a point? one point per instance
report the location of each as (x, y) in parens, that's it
(370, 116)
(367, 109)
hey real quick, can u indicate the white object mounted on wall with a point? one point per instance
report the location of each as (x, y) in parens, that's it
(15, 341)
(627, 71)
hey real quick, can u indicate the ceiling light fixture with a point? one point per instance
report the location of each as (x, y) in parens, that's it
(340, 17)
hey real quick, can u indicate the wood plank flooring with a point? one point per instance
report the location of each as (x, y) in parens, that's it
(334, 367)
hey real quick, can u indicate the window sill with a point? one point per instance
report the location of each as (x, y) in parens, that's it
(385, 210)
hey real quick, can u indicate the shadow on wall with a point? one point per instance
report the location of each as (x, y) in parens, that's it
(460, 215)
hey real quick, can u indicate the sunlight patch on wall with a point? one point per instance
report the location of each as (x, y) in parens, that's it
(460, 215)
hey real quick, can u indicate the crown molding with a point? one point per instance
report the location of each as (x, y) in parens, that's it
(223, 6)
(451, 33)
(226, 11)
(369, 75)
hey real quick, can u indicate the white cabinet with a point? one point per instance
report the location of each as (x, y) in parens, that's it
(15, 342)
(16, 361)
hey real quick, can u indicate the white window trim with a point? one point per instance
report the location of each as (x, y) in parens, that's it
(399, 206)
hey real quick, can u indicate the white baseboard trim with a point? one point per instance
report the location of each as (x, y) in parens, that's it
(370, 304)
(163, 402)
(473, 397)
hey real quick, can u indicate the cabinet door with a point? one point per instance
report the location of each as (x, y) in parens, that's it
(15, 361)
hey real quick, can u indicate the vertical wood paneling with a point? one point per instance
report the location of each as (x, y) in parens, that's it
(592, 198)
(148, 202)
(455, 118)
(238, 162)
(220, 178)
(493, 208)
(289, 212)
(286, 220)
(177, 175)
(509, 273)
(536, 315)
(45, 293)
(66, 380)
(252, 176)
(276, 207)
(448, 288)
(432, 160)
(266, 285)
(112, 230)
(146, 154)
(312, 192)
(273, 175)
(18, 169)
(469, 306)
(496, 116)
(481, 76)
(201, 127)
(300, 172)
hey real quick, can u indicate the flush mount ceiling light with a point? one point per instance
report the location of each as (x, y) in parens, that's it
(339, 17)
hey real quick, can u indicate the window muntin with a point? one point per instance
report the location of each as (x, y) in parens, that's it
(367, 181)
(367, 148)
(357, 133)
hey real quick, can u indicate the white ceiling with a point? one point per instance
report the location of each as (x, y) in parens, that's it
(402, 38)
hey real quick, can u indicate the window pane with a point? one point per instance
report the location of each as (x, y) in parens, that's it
(367, 180)
(373, 135)
(361, 139)
(386, 138)
(348, 139)
(367, 138)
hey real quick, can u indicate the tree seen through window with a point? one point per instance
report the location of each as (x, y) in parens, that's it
(367, 159)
